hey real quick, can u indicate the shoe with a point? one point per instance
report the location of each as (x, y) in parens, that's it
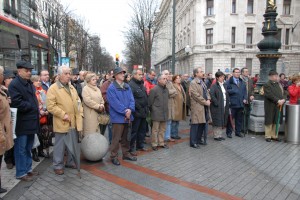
(170, 140)
(276, 139)
(35, 157)
(268, 139)
(2, 190)
(115, 161)
(142, 149)
(176, 137)
(129, 158)
(229, 136)
(26, 178)
(154, 148)
(218, 139)
(42, 154)
(203, 143)
(221, 138)
(196, 146)
(133, 153)
(239, 135)
(9, 166)
(33, 173)
(59, 171)
(71, 166)
(164, 146)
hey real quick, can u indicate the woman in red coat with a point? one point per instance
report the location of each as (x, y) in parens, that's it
(294, 90)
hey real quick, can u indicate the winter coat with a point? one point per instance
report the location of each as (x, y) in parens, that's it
(172, 94)
(6, 136)
(158, 103)
(22, 94)
(249, 88)
(273, 92)
(218, 112)
(92, 100)
(140, 97)
(197, 102)
(103, 89)
(179, 102)
(120, 99)
(237, 94)
(149, 84)
(186, 85)
(294, 92)
(60, 102)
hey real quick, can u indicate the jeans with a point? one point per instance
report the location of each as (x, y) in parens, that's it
(174, 128)
(168, 130)
(23, 158)
(138, 133)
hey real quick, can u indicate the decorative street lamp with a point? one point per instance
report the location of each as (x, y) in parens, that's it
(268, 55)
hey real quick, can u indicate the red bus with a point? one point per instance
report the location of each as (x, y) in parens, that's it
(18, 41)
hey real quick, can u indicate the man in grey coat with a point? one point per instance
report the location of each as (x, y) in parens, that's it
(158, 105)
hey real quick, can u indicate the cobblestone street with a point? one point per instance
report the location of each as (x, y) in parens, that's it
(237, 168)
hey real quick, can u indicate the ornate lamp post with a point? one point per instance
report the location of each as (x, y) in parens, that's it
(268, 55)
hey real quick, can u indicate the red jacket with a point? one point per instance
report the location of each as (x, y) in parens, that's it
(294, 92)
(148, 85)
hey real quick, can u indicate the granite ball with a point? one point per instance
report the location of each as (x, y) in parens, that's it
(94, 146)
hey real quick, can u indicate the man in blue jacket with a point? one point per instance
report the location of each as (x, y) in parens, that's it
(22, 93)
(237, 91)
(121, 108)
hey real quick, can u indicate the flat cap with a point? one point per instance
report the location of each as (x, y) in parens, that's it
(8, 74)
(24, 64)
(118, 70)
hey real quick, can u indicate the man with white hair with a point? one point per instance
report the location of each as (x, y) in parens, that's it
(65, 105)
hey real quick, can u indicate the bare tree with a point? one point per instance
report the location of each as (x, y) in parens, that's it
(142, 31)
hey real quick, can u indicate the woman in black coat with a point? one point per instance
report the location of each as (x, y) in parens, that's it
(219, 106)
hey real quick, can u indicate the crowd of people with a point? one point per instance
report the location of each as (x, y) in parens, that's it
(139, 105)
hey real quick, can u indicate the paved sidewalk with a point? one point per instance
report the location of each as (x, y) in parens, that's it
(236, 168)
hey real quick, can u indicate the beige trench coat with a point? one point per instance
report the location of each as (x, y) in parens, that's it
(179, 103)
(172, 95)
(6, 136)
(92, 99)
(60, 102)
(197, 102)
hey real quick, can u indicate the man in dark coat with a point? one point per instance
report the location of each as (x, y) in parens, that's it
(139, 124)
(158, 104)
(22, 93)
(250, 97)
(186, 84)
(219, 107)
(274, 98)
(238, 97)
(45, 79)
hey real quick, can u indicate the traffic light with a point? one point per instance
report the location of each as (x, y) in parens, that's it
(117, 60)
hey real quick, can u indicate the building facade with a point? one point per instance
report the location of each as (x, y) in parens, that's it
(224, 35)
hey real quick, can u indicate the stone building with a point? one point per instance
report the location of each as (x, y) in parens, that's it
(224, 34)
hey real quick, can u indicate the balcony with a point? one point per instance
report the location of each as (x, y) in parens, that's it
(6, 8)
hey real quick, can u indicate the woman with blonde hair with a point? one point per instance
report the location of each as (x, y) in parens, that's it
(93, 104)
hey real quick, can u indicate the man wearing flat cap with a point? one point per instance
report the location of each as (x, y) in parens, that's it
(121, 108)
(22, 93)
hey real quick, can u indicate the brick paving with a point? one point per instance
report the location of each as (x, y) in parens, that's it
(247, 168)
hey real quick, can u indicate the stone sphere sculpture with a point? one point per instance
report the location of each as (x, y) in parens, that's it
(94, 146)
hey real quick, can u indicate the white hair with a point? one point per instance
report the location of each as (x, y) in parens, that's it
(61, 69)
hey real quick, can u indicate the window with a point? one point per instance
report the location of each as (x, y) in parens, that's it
(209, 38)
(287, 7)
(287, 38)
(250, 7)
(233, 37)
(249, 38)
(233, 9)
(249, 65)
(210, 7)
(208, 65)
(232, 63)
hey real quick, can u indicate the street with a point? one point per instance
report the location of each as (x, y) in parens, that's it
(237, 168)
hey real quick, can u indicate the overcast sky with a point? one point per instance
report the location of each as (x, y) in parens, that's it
(108, 18)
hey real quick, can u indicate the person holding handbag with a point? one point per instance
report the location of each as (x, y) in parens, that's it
(93, 104)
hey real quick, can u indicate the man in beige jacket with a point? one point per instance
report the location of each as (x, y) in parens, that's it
(65, 105)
